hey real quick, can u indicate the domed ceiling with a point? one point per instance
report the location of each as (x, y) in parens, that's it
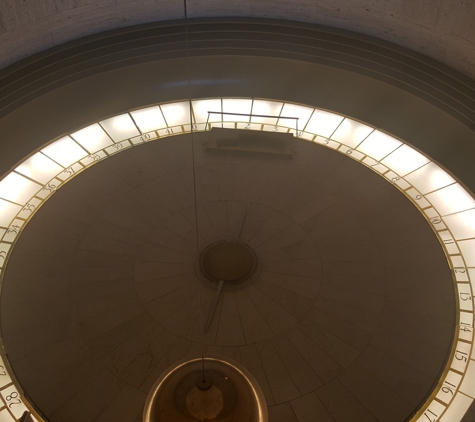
(351, 312)
(441, 29)
(350, 315)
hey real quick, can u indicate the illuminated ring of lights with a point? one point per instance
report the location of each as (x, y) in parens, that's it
(447, 206)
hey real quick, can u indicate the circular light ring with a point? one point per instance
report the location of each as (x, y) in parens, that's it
(217, 362)
(447, 206)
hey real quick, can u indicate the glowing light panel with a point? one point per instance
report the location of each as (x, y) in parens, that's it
(378, 145)
(149, 119)
(236, 106)
(17, 188)
(404, 160)
(451, 199)
(292, 110)
(92, 138)
(266, 108)
(39, 167)
(351, 133)
(120, 127)
(8, 212)
(462, 224)
(64, 151)
(202, 107)
(429, 178)
(176, 113)
(323, 123)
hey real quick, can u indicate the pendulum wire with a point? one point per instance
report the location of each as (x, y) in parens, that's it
(194, 185)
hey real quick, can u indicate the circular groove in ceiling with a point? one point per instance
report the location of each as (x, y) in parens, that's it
(231, 262)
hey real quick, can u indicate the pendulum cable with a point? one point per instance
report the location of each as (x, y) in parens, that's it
(194, 185)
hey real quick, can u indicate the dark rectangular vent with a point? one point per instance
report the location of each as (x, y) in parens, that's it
(250, 141)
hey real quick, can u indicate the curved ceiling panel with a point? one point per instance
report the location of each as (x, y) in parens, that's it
(386, 155)
(441, 30)
(397, 91)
